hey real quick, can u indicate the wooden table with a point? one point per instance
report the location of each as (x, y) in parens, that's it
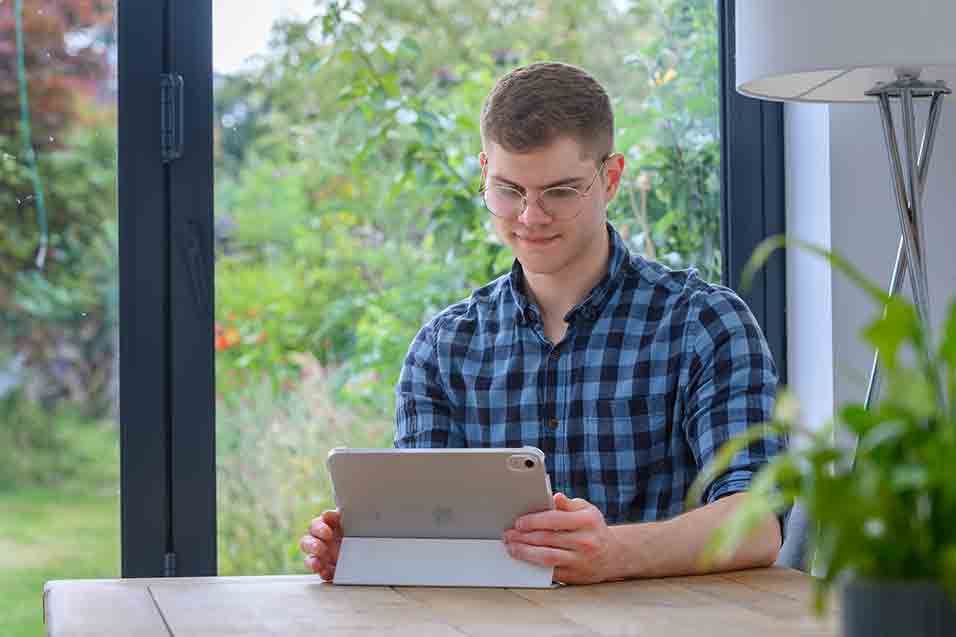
(765, 602)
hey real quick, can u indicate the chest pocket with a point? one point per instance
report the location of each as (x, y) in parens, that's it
(627, 448)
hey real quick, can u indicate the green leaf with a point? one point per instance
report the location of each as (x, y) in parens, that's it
(899, 324)
(721, 461)
(947, 355)
(908, 477)
(882, 434)
(768, 246)
(858, 419)
(761, 502)
(409, 48)
(947, 349)
(426, 131)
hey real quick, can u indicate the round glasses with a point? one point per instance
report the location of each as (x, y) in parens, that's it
(561, 203)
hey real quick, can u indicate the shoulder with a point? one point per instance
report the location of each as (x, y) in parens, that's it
(683, 292)
(704, 311)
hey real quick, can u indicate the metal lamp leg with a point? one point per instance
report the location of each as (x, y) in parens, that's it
(910, 254)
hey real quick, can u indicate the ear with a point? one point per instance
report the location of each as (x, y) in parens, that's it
(483, 159)
(615, 170)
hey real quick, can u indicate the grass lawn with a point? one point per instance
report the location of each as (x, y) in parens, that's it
(68, 531)
(51, 533)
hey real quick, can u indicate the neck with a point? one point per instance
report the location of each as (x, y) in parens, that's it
(557, 292)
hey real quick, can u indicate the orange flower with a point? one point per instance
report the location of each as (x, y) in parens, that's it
(221, 343)
(261, 338)
(231, 336)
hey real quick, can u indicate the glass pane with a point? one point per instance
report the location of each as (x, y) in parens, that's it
(348, 214)
(59, 449)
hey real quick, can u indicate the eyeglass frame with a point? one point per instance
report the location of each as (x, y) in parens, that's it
(483, 188)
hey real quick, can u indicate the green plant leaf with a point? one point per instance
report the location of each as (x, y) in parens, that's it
(947, 355)
(761, 502)
(947, 349)
(858, 419)
(899, 323)
(909, 477)
(882, 434)
(409, 48)
(768, 246)
(722, 459)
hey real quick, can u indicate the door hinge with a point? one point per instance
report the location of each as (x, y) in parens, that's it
(171, 116)
(169, 565)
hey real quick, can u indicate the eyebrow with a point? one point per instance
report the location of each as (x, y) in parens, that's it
(567, 181)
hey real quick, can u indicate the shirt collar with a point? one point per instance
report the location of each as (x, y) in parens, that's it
(592, 305)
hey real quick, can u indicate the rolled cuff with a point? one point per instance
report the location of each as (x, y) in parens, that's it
(738, 482)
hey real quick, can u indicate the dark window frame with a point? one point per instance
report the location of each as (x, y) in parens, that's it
(167, 365)
(752, 193)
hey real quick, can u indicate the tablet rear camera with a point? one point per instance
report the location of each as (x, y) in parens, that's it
(521, 462)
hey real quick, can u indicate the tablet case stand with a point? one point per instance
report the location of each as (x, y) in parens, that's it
(435, 562)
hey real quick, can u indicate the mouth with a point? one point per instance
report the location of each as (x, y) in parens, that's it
(537, 241)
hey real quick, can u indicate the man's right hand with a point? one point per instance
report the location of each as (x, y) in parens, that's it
(321, 545)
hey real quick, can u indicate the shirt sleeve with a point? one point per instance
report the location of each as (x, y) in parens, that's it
(732, 383)
(423, 411)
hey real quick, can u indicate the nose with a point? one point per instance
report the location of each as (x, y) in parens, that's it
(533, 214)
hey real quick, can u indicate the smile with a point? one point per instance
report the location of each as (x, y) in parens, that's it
(537, 241)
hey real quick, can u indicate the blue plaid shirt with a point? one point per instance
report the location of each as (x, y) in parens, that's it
(657, 370)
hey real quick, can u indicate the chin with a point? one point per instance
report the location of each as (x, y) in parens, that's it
(541, 263)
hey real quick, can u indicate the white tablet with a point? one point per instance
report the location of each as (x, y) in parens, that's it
(437, 493)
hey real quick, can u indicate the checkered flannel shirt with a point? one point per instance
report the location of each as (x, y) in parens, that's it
(657, 370)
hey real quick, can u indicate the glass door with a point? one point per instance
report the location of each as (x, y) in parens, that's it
(347, 215)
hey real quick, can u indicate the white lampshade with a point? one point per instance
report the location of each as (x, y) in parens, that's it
(836, 50)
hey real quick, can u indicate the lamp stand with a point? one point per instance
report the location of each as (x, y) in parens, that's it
(908, 188)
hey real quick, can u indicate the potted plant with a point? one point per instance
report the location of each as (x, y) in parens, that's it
(882, 510)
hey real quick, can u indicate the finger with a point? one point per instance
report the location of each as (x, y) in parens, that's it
(309, 545)
(319, 529)
(326, 571)
(320, 548)
(564, 503)
(316, 563)
(570, 541)
(555, 521)
(540, 555)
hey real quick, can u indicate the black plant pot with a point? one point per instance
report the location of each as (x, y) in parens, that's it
(875, 608)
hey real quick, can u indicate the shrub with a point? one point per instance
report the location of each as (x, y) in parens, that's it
(272, 479)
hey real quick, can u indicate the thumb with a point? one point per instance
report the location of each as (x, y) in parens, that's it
(333, 519)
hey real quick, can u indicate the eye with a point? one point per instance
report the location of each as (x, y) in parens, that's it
(507, 193)
(559, 194)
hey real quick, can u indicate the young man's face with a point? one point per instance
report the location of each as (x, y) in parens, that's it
(540, 242)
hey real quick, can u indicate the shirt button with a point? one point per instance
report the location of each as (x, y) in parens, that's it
(552, 423)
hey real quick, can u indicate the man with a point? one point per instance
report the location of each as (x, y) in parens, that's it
(629, 376)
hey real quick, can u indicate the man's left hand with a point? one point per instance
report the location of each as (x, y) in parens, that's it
(574, 538)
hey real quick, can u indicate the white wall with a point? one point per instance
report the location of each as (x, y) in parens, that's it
(809, 297)
(839, 195)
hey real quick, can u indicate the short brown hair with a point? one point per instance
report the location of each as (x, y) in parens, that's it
(534, 105)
